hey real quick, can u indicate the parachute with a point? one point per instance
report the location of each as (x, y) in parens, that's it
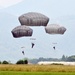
(55, 29)
(33, 19)
(29, 19)
(21, 31)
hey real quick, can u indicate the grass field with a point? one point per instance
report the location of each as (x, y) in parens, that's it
(37, 70)
(35, 73)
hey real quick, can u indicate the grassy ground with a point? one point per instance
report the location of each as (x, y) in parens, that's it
(37, 70)
(35, 73)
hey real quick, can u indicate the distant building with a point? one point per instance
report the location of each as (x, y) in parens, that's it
(52, 62)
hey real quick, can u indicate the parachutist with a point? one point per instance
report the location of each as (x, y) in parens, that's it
(33, 45)
(54, 47)
(23, 52)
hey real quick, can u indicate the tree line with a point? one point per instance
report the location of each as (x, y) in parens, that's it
(63, 58)
(36, 60)
(18, 62)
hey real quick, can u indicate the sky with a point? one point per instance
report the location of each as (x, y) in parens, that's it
(60, 12)
(7, 3)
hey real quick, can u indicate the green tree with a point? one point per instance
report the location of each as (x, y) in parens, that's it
(20, 62)
(63, 58)
(0, 62)
(71, 58)
(5, 62)
(25, 61)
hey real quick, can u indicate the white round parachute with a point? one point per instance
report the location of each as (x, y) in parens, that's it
(55, 29)
(33, 19)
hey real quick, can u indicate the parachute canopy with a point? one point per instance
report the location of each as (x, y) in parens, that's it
(55, 29)
(21, 31)
(33, 19)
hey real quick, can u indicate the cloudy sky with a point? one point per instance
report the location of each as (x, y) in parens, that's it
(60, 12)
